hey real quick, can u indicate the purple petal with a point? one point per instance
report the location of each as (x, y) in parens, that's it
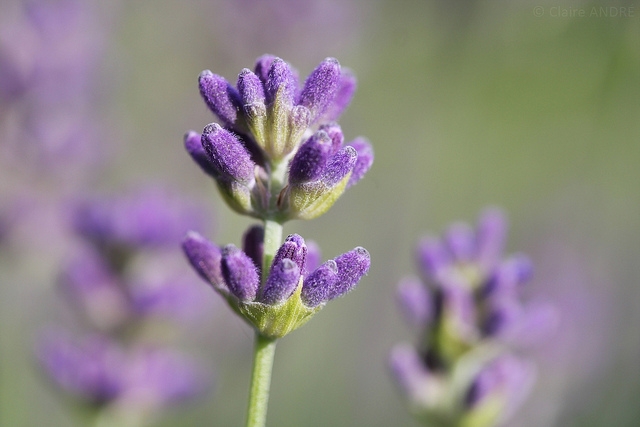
(415, 302)
(250, 88)
(314, 257)
(222, 98)
(461, 241)
(293, 248)
(351, 267)
(339, 166)
(344, 94)
(364, 161)
(239, 273)
(227, 154)
(282, 282)
(262, 67)
(410, 373)
(432, 257)
(193, 144)
(320, 87)
(253, 244)
(281, 78)
(311, 159)
(491, 236)
(205, 258)
(335, 133)
(316, 286)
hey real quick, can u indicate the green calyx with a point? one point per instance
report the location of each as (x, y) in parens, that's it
(310, 200)
(276, 321)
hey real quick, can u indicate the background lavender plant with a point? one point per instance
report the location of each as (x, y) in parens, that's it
(481, 103)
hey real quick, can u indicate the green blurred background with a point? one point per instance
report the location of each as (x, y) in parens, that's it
(467, 104)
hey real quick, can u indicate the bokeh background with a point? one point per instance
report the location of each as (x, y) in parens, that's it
(521, 104)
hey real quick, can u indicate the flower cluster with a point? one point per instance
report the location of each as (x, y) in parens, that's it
(279, 153)
(117, 285)
(469, 314)
(296, 287)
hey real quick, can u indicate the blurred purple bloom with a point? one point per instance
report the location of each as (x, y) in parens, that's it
(145, 218)
(99, 371)
(468, 309)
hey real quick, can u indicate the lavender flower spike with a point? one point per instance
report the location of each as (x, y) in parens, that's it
(320, 87)
(239, 273)
(222, 98)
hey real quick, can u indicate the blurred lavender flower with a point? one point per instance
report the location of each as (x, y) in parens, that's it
(101, 372)
(49, 54)
(127, 275)
(289, 296)
(468, 314)
(279, 152)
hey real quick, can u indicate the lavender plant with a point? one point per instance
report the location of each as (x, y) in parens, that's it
(121, 371)
(277, 155)
(464, 371)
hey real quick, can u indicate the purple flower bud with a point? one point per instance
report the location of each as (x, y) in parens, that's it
(250, 87)
(280, 79)
(262, 67)
(320, 87)
(508, 275)
(507, 379)
(491, 235)
(240, 273)
(364, 161)
(91, 370)
(95, 291)
(500, 316)
(253, 244)
(293, 248)
(432, 257)
(311, 159)
(341, 164)
(351, 267)
(344, 94)
(314, 257)
(316, 286)
(282, 282)
(411, 374)
(222, 98)
(415, 302)
(335, 133)
(205, 258)
(193, 144)
(161, 377)
(461, 241)
(227, 154)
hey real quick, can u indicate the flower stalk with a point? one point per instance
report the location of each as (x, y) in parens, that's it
(263, 356)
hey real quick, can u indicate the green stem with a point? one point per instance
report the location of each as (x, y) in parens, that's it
(264, 352)
(272, 242)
